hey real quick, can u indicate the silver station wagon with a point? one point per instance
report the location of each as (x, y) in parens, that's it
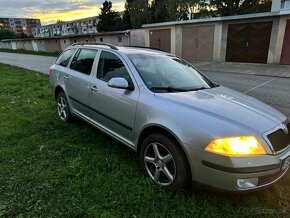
(186, 128)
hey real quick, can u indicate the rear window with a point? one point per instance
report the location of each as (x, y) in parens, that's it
(83, 61)
(65, 57)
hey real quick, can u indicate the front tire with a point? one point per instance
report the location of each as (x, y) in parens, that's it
(164, 162)
(63, 108)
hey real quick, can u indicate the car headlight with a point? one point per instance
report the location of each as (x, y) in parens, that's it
(237, 146)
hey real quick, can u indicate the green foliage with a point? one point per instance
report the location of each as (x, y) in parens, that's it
(109, 20)
(139, 12)
(238, 7)
(53, 169)
(7, 34)
(126, 17)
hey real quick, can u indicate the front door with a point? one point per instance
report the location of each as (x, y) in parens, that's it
(114, 109)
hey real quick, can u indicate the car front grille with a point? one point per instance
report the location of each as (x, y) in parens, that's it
(279, 139)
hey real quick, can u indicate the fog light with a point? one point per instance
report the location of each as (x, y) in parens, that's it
(247, 183)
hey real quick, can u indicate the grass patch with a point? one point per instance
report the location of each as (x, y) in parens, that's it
(22, 51)
(48, 168)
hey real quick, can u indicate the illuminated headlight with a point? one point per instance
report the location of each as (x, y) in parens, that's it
(236, 146)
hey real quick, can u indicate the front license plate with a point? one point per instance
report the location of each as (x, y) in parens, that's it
(286, 163)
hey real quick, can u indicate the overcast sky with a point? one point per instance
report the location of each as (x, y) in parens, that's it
(51, 10)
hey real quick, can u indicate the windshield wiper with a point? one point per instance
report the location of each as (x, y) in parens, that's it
(173, 89)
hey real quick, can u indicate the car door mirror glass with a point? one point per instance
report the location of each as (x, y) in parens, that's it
(119, 83)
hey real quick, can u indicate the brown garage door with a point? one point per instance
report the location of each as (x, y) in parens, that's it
(160, 39)
(249, 42)
(285, 57)
(197, 43)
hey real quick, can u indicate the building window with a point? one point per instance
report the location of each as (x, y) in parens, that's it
(101, 39)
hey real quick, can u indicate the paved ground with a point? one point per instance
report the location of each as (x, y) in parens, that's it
(275, 70)
(31, 62)
(273, 90)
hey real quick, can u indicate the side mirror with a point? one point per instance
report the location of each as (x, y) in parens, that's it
(119, 83)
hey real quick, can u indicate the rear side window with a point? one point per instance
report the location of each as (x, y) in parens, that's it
(83, 61)
(65, 57)
(110, 66)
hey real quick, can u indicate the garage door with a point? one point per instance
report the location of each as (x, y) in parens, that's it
(285, 57)
(197, 43)
(161, 39)
(249, 42)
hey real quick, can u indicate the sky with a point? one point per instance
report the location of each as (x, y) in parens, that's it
(49, 11)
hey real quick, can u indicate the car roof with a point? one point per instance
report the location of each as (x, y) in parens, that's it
(122, 49)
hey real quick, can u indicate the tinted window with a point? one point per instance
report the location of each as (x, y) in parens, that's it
(110, 66)
(83, 61)
(65, 57)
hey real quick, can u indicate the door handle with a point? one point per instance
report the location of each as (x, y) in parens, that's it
(65, 77)
(94, 88)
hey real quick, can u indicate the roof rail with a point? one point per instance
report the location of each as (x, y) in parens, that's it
(132, 46)
(95, 43)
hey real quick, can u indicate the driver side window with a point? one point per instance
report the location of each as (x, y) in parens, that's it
(110, 66)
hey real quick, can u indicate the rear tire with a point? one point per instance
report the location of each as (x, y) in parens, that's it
(164, 162)
(63, 108)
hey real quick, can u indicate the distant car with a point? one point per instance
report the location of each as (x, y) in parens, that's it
(184, 126)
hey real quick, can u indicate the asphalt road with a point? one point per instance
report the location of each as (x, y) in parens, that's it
(31, 62)
(274, 91)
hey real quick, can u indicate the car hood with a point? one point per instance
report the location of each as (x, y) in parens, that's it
(228, 105)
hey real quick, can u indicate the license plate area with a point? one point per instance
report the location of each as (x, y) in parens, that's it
(286, 163)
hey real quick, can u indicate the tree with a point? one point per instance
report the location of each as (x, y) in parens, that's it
(127, 17)
(7, 34)
(237, 7)
(109, 20)
(139, 12)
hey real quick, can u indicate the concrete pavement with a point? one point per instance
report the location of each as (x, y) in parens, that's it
(31, 62)
(274, 70)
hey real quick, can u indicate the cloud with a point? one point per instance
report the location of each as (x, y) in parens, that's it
(51, 10)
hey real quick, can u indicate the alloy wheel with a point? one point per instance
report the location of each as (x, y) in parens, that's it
(62, 108)
(159, 164)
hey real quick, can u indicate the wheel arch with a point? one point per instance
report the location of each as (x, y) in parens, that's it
(58, 89)
(161, 129)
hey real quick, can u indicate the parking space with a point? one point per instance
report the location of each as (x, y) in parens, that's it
(274, 91)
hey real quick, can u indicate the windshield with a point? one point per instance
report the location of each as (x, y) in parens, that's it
(163, 73)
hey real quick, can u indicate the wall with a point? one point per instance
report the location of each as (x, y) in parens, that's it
(57, 44)
(5, 45)
(221, 24)
(52, 45)
(137, 37)
(27, 44)
(64, 43)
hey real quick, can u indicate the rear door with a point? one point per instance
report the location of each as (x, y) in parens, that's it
(77, 80)
(114, 109)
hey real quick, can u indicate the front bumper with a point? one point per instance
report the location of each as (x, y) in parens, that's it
(226, 173)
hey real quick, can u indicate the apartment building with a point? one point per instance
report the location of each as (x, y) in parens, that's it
(19, 25)
(75, 27)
